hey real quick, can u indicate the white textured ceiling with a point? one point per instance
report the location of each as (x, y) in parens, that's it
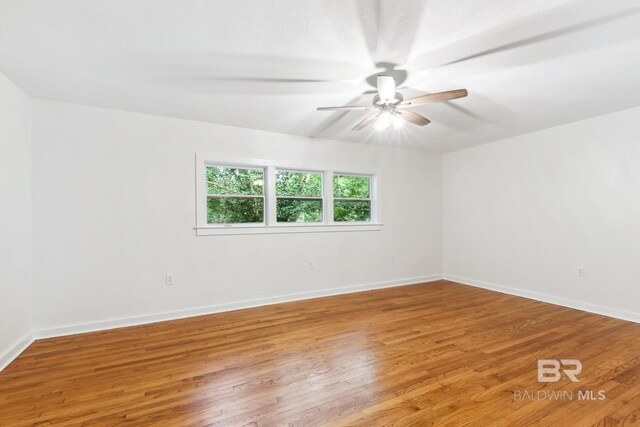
(268, 64)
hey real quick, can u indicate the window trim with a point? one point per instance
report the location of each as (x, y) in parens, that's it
(262, 196)
(362, 199)
(321, 197)
(270, 225)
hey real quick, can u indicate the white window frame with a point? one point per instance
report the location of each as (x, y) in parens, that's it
(356, 199)
(271, 225)
(238, 196)
(321, 198)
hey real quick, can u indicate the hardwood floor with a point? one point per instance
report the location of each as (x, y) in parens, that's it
(433, 354)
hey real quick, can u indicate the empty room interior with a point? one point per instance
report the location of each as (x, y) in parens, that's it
(320, 213)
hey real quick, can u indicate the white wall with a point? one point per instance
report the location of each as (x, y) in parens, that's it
(528, 211)
(114, 211)
(15, 217)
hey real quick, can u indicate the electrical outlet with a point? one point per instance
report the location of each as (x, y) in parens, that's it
(168, 280)
(392, 259)
(580, 272)
(312, 265)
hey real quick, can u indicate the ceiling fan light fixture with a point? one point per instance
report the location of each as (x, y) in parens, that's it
(383, 122)
(391, 108)
(388, 119)
(397, 122)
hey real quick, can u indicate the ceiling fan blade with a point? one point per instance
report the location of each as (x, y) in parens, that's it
(570, 18)
(435, 97)
(414, 118)
(386, 88)
(366, 122)
(346, 107)
(270, 80)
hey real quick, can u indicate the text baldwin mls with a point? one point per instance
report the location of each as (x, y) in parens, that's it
(558, 395)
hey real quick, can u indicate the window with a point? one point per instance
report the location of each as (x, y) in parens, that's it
(351, 198)
(246, 198)
(299, 196)
(235, 195)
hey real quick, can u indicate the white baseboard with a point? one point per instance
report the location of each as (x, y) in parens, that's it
(199, 311)
(15, 350)
(565, 302)
(8, 356)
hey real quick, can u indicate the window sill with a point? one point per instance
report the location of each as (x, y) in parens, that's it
(284, 229)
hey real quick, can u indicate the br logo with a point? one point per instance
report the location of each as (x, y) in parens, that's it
(549, 370)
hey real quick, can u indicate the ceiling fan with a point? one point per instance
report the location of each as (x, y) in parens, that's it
(391, 108)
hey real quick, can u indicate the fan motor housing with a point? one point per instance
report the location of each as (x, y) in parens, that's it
(395, 101)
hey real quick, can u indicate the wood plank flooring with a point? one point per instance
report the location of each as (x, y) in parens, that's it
(434, 354)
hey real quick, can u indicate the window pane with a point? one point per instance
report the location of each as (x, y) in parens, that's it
(351, 210)
(351, 186)
(297, 210)
(235, 181)
(298, 184)
(234, 210)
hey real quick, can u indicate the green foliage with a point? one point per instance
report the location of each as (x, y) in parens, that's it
(351, 210)
(233, 210)
(290, 187)
(299, 210)
(351, 187)
(235, 181)
(347, 187)
(298, 184)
